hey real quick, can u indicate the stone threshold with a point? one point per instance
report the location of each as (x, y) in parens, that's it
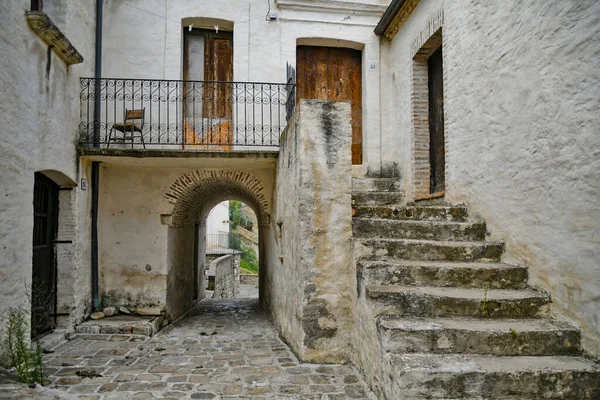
(122, 325)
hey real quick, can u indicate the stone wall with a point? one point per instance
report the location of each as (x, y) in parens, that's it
(39, 110)
(180, 274)
(312, 287)
(227, 276)
(521, 98)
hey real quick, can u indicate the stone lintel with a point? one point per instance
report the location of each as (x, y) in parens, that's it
(43, 26)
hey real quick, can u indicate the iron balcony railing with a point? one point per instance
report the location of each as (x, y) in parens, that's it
(222, 242)
(177, 114)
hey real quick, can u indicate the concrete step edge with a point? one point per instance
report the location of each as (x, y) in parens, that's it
(467, 364)
(503, 325)
(459, 292)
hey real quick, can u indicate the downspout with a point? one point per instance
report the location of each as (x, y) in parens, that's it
(95, 188)
(96, 164)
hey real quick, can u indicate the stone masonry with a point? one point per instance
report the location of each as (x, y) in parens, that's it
(223, 349)
(453, 320)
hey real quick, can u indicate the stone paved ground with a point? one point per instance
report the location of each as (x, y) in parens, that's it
(247, 291)
(223, 349)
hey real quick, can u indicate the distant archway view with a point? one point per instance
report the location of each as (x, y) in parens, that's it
(232, 248)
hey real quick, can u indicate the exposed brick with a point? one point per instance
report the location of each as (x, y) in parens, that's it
(429, 42)
(194, 193)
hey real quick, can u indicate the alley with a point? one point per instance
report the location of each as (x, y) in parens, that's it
(223, 349)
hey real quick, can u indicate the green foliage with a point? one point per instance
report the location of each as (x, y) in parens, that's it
(235, 213)
(28, 363)
(38, 372)
(237, 217)
(247, 224)
(249, 260)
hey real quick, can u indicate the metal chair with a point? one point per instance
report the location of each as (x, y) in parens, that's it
(134, 122)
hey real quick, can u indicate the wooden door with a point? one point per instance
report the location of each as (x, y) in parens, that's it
(45, 224)
(218, 68)
(437, 152)
(208, 59)
(333, 73)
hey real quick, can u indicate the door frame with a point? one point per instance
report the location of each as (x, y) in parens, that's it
(356, 75)
(421, 169)
(50, 235)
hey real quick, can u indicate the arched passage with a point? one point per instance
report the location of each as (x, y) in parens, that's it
(193, 195)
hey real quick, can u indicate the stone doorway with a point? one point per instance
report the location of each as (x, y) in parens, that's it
(192, 243)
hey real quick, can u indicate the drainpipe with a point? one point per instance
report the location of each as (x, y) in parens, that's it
(97, 73)
(96, 164)
(95, 188)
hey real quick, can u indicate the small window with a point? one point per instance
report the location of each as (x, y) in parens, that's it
(37, 5)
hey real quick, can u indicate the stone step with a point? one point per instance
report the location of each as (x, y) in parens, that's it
(431, 301)
(499, 337)
(375, 185)
(122, 324)
(431, 376)
(433, 213)
(428, 230)
(377, 198)
(435, 273)
(427, 250)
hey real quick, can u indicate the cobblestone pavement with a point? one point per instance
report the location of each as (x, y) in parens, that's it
(247, 291)
(223, 349)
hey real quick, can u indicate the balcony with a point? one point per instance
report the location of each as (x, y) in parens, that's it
(151, 114)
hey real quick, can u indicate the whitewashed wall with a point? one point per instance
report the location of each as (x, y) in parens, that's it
(218, 219)
(140, 255)
(154, 48)
(39, 110)
(522, 113)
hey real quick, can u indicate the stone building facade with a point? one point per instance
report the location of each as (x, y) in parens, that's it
(511, 89)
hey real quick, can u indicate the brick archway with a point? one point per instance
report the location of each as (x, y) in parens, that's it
(192, 193)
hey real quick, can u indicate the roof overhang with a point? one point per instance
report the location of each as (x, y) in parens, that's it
(394, 17)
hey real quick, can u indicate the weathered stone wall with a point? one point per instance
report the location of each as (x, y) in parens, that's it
(520, 103)
(312, 287)
(227, 276)
(180, 274)
(39, 110)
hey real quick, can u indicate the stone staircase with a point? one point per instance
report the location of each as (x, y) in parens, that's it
(453, 321)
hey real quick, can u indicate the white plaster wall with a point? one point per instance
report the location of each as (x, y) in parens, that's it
(521, 114)
(218, 219)
(137, 248)
(39, 110)
(154, 48)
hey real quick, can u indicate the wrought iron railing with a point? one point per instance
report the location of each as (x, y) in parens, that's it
(176, 114)
(220, 242)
